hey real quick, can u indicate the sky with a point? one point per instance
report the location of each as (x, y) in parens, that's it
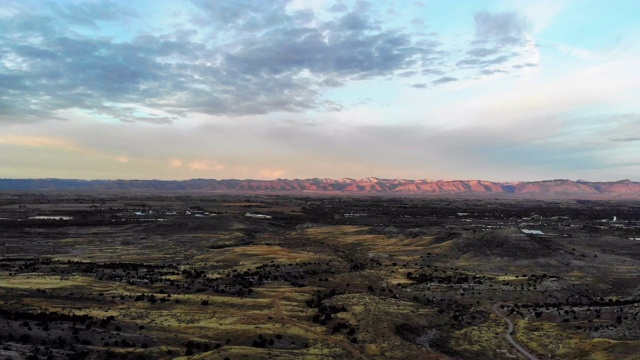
(253, 89)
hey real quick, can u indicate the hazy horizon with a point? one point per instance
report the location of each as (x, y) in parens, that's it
(317, 178)
(249, 89)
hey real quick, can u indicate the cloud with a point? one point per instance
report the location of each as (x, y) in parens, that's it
(205, 165)
(501, 45)
(270, 173)
(498, 60)
(267, 59)
(341, 148)
(519, 66)
(87, 13)
(245, 15)
(482, 52)
(444, 80)
(175, 163)
(40, 141)
(58, 144)
(500, 26)
(627, 139)
(432, 72)
(491, 72)
(161, 120)
(338, 8)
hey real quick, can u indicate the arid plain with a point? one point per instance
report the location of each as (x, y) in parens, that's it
(130, 275)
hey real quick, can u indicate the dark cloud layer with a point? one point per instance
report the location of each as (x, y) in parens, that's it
(285, 65)
(235, 58)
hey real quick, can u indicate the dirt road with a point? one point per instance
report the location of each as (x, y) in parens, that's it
(515, 344)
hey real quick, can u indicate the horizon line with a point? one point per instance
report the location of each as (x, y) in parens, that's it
(326, 178)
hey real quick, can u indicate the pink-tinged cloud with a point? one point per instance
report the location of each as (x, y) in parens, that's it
(271, 173)
(206, 165)
(40, 141)
(241, 169)
(175, 163)
(123, 159)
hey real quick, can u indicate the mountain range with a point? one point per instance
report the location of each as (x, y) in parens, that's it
(344, 185)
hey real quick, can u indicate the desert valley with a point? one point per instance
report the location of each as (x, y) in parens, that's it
(87, 274)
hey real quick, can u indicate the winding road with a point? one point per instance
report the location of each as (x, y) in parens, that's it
(517, 346)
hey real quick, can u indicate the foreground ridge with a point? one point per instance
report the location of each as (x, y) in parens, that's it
(345, 185)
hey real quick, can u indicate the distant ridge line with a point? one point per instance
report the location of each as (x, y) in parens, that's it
(344, 185)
